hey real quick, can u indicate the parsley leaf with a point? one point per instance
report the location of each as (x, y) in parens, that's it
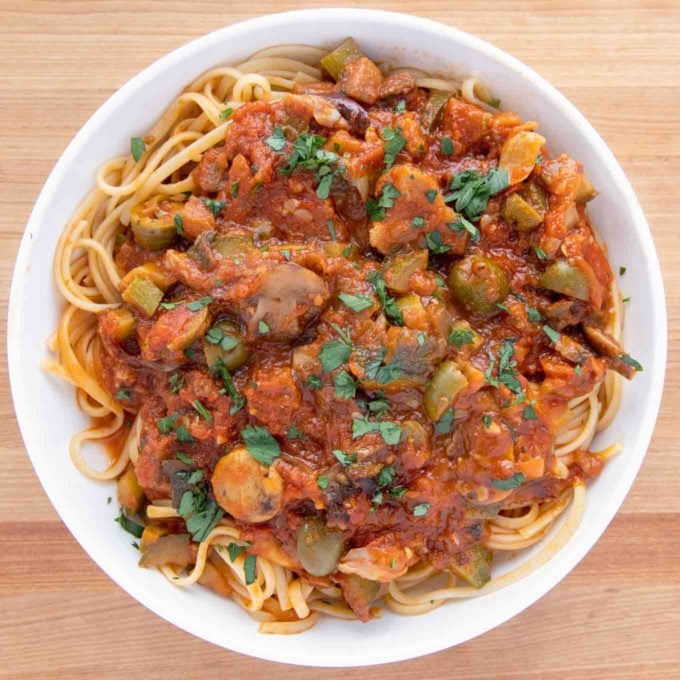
(551, 333)
(333, 354)
(226, 113)
(197, 305)
(202, 410)
(417, 222)
(421, 509)
(398, 491)
(394, 143)
(461, 224)
(276, 141)
(214, 205)
(486, 419)
(176, 382)
(400, 106)
(217, 336)
(137, 148)
(435, 243)
(356, 303)
(262, 328)
(249, 569)
(179, 224)
(129, 525)
(238, 400)
(540, 253)
(472, 191)
(234, 550)
(123, 394)
(460, 337)
(345, 385)
(260, 444)
(184, 458)
(534, 315)
(445, 423)
(314, 382)
(322, 481)
(331, 228)
(344, 458)
(529, 413)
(390, 432)
(377, 210)
(509, 483)
(631, 362)
(386, 475)
(389, 304)
(233, 189)
(447, 146)
(294, 433)
(622, 271)
(165, 424)
(431, 194)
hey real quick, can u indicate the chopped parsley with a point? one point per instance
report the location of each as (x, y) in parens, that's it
(529, 413)
(238, 400)
(435, 243)
(418, 221)
(486, 419)
(344, 458)
(540, 253)
(313, 382)
(217, 336)
(495, 103)
(471, 191)
(421, 338)
(386, 476)
(400, 106)
(234, 550)
(461, 336)
(165, 424)
(276, 141)
(390, 432)
(322, 481)
(461, 224)
(447, 146)
(394, 143)
(183, 434)
(377, 210)
(176, 382)
(233, 189)
(137, 148)
(331, 230)
(294, 433)
(197, 305)
(398, 491)
(126, 523)
(214, 205)
(631, 362)
(509, 483)
(226, 113)
(383, 374)
(260, 444)
(551, 333)
(345, 385)
(202, 410)
(123, 394)
(262, 328)
(421, 509)
(534, 315)
(445, 423)
(507, 367)
(389, 304)
(334, 354)
(249, 569)
(356, 303)
(184, 458)
(622, 271)
(431, 194)
(379, 406)
(179, 224)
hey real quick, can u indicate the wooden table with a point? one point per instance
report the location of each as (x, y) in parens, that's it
(617, 615)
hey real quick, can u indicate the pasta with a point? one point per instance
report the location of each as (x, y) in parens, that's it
(260, 282)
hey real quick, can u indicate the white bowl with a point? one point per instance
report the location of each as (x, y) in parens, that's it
(47, 412)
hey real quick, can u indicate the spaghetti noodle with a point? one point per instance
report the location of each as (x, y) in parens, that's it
(381, 428)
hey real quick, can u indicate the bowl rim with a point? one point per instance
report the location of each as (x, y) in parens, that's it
(270, 22)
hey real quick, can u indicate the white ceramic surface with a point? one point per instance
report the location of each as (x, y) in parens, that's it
(48, 415)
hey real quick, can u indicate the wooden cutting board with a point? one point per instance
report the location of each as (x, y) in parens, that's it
(617, 615)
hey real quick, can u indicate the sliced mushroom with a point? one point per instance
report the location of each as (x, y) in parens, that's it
(607, 345)
(248, 491)
(290, 296)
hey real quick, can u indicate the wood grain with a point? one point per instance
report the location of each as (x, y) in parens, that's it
(617, 615)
